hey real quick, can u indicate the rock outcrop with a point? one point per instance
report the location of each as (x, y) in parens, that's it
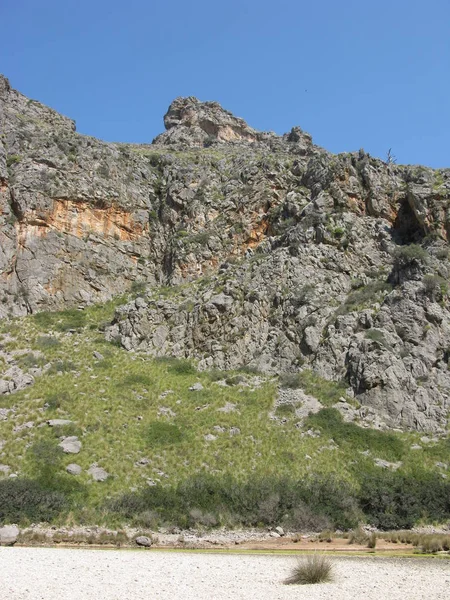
(250, 249)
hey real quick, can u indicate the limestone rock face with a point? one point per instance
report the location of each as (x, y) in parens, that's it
(272, 252)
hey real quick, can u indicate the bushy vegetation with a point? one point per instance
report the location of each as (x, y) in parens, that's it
(409, 254)
(25, 499)
(255, 501)
(364, 296)
(383, 443)
(395, 500)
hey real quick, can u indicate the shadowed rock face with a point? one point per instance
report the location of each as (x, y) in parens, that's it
(294, 256)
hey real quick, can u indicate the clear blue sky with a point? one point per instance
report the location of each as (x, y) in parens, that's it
(368, 73)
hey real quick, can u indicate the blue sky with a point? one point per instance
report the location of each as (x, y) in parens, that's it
(372, 74)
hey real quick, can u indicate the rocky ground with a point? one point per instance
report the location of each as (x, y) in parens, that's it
(62, 574)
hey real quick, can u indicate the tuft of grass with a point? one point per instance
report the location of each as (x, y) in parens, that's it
(358, 536)
(313, 569)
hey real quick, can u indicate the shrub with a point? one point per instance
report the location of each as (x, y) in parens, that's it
(372, 540)
(162, 434)
(25, 499)
(396, 500)
(136, 379)
(435, 287)
(364, 296)
(330, 421)
(177, 366)
(12, 159)
(313, 569)
(62, 366)
(285, 410)
(30, 360)
(47, 341)
(410, 254)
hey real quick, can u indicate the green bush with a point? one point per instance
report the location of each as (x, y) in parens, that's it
(364, 296)
(62, 366)
(330, 422)
(47, 341)
(136, 379)
(12, 159)
(285, 410)
(26, 500)
(61, 321)
(395, 500)
(410, 254)
(312, 503)
(162, 434)
(179, 366)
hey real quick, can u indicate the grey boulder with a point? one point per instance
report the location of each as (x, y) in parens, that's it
(70, 445)
(9, 535)
(144, 541)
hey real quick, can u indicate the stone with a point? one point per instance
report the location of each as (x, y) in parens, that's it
(384, 464)
(279, 530)
(144, 541)
(97, 473)
(197, 387)
(5, 469)
(71, 445)
(274, 534)
(9, 535)
(58, 422)
(74, 469)
(98, 355)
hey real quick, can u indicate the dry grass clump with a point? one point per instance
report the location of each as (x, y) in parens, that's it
(358, 536)
(326, 536)
(313, 569)
(427, 543)
(430, 544)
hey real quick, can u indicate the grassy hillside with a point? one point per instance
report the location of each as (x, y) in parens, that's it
(221, 454)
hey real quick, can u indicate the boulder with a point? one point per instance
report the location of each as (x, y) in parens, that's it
(9, 535)
(71, 445)
(97, 473)
(74, 469)
(143, 540)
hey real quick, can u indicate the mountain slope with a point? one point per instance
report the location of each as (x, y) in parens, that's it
(272, 252)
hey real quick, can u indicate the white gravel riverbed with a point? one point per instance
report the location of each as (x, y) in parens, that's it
(78, 574)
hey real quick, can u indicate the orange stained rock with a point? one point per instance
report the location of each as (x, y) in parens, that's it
(80, 219)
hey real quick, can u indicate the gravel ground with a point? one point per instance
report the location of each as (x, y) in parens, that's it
(68, 574)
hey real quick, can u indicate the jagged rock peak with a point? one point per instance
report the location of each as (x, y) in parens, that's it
(192, 123)
(188, 120)
(210, 117)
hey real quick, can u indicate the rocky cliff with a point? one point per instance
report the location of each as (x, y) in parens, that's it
(250, 249)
